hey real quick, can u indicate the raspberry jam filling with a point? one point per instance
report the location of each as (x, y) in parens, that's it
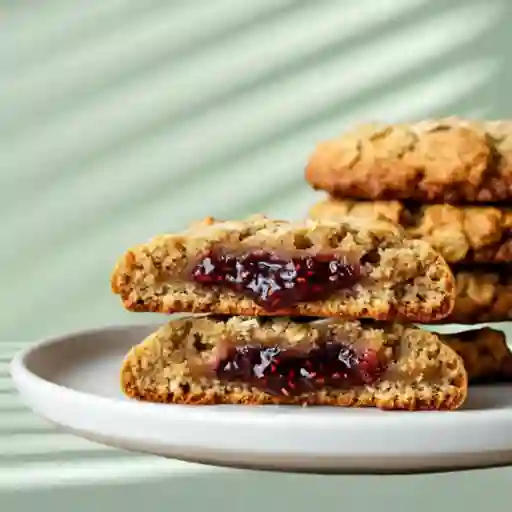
(287, 371)
(275, 282)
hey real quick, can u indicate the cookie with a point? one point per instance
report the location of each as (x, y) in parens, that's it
(447, 160)
(459, 233)
(482, 296)
(257, 266)
(486, 355)
(244, 360)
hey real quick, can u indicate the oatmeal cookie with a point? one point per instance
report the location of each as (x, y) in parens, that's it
(257, 266)
(460, 233)
(447, 160)
(206, 360)
(486, 355)
(482, 295)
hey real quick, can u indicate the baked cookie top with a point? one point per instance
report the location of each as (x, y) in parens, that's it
(444, 160)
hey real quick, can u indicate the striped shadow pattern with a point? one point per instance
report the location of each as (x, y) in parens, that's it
(123, 119)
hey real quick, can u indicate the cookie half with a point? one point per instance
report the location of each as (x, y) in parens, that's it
(256, 361)
(445, 160)
(352, 268)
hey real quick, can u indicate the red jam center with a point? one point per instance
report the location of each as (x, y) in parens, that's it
(289, 372)
(274, 282)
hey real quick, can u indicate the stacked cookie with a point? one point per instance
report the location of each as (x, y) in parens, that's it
(300, 312)
(448, 182)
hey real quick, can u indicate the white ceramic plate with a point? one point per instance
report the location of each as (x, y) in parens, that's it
(73, 381)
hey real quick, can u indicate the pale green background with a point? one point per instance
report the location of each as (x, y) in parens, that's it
(121, 119)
